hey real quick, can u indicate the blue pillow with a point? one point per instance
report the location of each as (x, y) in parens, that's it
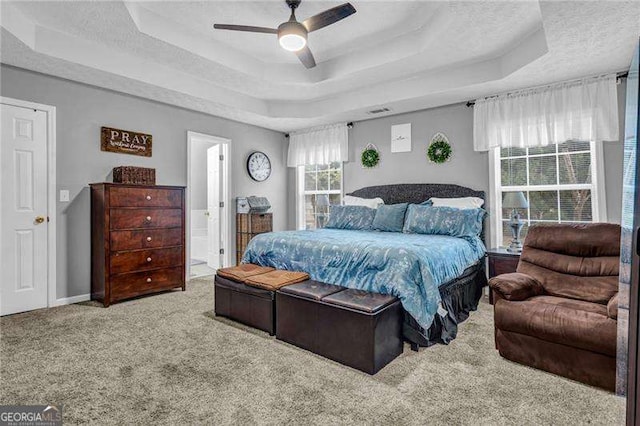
(351, 217)
(443, 221)
(390, 217)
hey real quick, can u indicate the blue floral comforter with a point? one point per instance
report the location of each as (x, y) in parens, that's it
(409, 266)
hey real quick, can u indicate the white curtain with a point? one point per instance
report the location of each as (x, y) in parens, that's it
(585, 110)
(319, 145)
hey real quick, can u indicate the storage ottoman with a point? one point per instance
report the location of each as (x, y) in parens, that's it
(249, 305)
(357, 328)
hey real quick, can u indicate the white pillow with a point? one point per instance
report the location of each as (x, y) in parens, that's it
(373, 203)
(458, 203)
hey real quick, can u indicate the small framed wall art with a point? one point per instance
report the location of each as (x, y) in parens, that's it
(401, 138)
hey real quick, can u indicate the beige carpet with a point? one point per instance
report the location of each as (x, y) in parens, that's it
(165, 359)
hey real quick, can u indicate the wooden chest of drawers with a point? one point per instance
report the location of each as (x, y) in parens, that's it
(248, 225)
(137, 240)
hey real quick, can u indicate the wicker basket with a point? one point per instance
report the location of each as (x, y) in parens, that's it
(261, 222)
(134, 175)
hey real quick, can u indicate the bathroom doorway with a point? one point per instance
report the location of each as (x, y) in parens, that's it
(207, 204)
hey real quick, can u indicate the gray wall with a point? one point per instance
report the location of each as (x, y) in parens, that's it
(467, 167)
(82, 110)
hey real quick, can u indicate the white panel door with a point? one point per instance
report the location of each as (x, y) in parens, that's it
(23, 210)
(213, 206)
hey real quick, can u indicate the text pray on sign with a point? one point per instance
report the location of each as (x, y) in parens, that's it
(125, 142)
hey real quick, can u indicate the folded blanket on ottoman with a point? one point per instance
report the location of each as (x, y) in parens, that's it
(276, 279)
(240, 273)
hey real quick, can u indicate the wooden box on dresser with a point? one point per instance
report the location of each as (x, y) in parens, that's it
(137, 240)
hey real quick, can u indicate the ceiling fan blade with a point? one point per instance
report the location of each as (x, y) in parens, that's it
(329, 17)
(246, 28)
(306, 57)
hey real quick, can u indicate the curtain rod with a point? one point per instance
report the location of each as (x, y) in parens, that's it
(349, 126)
(619, 76)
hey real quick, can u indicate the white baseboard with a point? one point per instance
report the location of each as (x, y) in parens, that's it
(73, 299)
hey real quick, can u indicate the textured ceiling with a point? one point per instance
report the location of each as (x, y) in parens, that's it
(405, 55)
(391, 18)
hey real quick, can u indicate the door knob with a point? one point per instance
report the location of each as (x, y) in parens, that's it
(206, 213)
(39, 219)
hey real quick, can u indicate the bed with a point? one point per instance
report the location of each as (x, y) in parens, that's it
(439, 279)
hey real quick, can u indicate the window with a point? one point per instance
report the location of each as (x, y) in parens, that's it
(319, 186)
(560, 181)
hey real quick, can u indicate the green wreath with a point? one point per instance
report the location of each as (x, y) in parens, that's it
(370, 158)
(439, 151)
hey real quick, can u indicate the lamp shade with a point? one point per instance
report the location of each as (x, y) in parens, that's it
(322, 200)
(515, 200)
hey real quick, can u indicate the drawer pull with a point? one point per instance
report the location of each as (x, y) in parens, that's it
(148, 238)
(148, 280)
(148, 197)
(148, 218)
(148, 259)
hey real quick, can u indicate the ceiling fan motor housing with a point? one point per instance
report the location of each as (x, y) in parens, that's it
(292, 35)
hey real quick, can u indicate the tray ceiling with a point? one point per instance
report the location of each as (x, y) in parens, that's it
(404, 55)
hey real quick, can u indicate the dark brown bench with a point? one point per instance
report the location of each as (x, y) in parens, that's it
(246, 293)
(357, 328)
(248, 305)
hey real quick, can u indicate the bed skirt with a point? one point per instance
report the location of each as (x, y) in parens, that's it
(459, 298)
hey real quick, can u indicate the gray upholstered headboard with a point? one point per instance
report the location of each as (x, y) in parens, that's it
(415, 193)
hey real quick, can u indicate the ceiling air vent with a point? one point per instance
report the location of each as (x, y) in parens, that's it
(378, 111)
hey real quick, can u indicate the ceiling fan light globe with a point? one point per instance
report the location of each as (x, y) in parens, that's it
(292, 36)
(292, 42)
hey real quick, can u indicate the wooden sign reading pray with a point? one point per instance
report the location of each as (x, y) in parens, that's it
(125, 142)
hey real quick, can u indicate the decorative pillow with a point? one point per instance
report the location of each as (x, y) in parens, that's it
(390, 218)
(350, 217)
(459, 203)
(372, 203)
(443, 221)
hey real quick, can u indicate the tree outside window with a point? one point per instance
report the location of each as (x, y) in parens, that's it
(556, 179)
(321, 188)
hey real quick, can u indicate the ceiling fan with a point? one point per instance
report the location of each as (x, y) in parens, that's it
(292, 34)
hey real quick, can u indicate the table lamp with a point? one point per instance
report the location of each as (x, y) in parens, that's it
(322, 201)
(515, 201)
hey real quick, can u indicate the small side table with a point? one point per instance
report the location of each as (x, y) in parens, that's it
(500, 262)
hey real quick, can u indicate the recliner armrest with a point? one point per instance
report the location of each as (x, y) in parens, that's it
(516, 286)
(612, 307)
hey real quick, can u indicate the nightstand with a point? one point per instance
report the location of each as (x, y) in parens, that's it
(500, 262)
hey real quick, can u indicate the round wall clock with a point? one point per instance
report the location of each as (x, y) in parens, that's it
(259, 166)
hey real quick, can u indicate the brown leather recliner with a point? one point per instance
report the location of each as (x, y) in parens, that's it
(559, 311)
